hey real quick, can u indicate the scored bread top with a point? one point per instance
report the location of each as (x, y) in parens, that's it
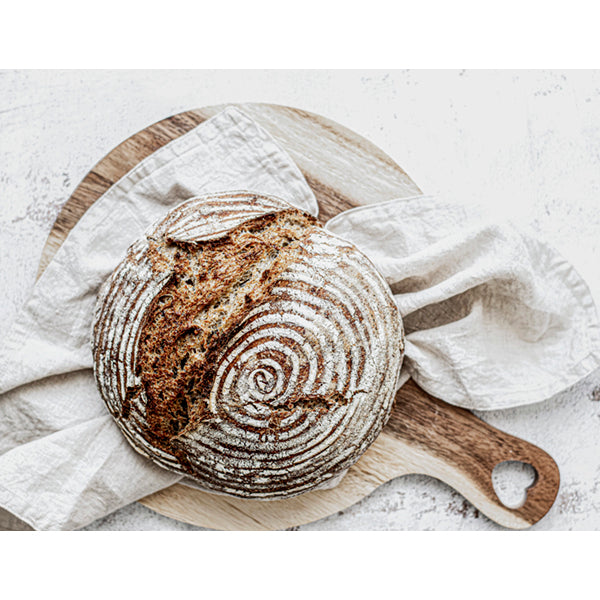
(242, 345)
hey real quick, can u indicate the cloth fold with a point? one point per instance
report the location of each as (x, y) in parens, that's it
(493, 316)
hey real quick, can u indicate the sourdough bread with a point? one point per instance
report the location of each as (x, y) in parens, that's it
(240, 344)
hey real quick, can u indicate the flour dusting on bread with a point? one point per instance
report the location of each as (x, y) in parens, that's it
(242, 345)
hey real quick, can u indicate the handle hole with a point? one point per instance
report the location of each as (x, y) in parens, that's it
(511, 480)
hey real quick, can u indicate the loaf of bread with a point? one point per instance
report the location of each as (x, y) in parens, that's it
(240, 344)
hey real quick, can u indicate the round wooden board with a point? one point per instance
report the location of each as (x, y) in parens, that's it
(424, 435)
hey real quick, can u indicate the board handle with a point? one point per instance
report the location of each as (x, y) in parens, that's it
(453, 445)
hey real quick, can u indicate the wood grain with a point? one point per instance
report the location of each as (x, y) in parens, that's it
(424, 435)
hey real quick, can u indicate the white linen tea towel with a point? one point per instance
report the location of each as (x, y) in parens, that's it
(484, 330)
(493, 316)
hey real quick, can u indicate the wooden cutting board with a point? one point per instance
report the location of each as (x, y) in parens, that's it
(424, 435)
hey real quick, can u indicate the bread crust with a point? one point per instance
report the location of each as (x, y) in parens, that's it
(243, 346)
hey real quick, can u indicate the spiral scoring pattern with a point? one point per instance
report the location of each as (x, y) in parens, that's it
(302, 385)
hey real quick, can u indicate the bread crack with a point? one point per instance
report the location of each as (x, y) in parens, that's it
(214, 284)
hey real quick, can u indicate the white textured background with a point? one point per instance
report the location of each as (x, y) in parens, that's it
(524, 143)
